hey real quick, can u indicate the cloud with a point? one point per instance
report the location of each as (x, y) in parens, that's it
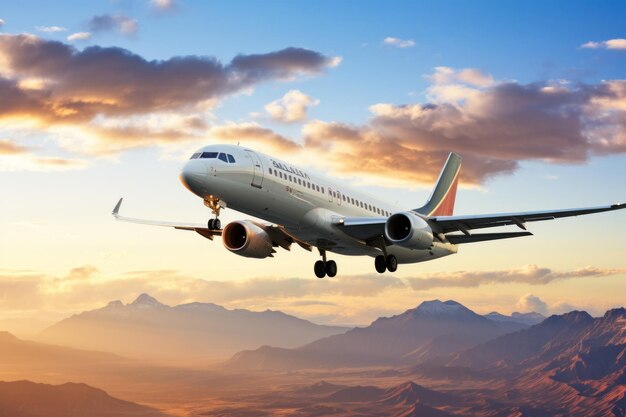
(531, 303)
(85, 286)
(609, 44)
(9, 148)
(113, 22)
(2, 22)
(472, 76)
(50, 29)
(79, 36)
(164, 5)
(252, 133)
(292, 107)
(493, 125)
(530, 274)
(97, 92)
(399, 43)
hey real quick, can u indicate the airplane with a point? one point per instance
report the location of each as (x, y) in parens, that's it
(315, 212)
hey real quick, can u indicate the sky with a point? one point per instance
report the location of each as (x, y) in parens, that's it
(107, 99)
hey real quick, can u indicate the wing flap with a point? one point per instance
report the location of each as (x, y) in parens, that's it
(483, 237)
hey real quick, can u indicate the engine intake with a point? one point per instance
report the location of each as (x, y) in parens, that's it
(247, 239)
(409, 230)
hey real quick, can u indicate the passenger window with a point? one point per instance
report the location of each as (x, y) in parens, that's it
(270, 169)
(299, 181)
(231, 159)
(222, 157)
(322, 190)
(290, 179)
(343, 197)
(210, 155)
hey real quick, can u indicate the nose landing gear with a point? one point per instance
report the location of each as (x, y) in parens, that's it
(215, 204)
(324, 267)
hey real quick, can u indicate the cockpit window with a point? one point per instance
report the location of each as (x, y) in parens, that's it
(196, 155)
(209, 155)
(231, 158)
(223, 157)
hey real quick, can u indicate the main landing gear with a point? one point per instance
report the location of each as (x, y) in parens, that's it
(324, 267)
(215, 204)
(386, 263)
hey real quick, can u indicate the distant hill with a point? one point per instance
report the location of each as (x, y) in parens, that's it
(28, 399)
(526, 319)
(149, 329)
(432, 329)
(15, 352)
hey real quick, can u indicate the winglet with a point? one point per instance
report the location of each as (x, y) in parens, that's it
(116, 210)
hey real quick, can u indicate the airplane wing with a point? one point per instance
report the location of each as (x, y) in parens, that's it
(448, 224)
(278, 234)
(370, 228)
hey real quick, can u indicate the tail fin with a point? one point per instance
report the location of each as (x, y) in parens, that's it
(441, 201)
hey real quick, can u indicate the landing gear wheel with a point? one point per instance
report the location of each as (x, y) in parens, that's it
(331, 268)
(380, 264)
(211, 224)
(320, 269)
(392, 263)
(217, 224)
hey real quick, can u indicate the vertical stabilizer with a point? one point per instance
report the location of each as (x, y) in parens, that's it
(441, 201)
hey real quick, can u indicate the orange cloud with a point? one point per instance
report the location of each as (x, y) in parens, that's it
(492, 125)
(530, 274)
(85, 88)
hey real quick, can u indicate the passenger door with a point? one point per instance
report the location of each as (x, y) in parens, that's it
(257, 166)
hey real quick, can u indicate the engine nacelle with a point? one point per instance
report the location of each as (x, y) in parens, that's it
(409, 230)
(247, 239)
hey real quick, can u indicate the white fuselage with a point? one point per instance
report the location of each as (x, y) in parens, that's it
(306, 205)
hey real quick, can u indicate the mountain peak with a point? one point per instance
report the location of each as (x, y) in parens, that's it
(145, 301)
(442, 308)
(114, 304)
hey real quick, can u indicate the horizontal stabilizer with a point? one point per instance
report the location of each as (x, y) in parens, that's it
(482, 237)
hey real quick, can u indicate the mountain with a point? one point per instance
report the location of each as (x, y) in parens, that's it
(432, 329)
(147, 328)
(16, 352)
(28, 399)
(526, 319)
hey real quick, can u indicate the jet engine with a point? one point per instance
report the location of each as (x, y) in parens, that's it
(247, 239)
(409, 230)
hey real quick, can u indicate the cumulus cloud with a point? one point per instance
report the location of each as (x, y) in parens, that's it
(252, 133)
(493, 125)
(109, 90)
(399, 43)
(164, 5)
(50, 29)
(8, 147)
(609, 44)
(79, 36)
(1, 23)
(531, 303)
(292, 107)
(113, 22)
(530, 274)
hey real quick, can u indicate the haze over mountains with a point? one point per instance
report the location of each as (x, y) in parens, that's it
(439, 359)
(432, 329)
(149, 329)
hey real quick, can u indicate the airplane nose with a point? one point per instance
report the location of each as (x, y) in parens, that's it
(193, 175)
